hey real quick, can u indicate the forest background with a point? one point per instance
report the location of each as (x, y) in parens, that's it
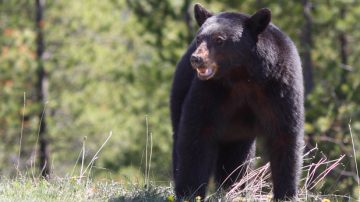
(72, 71)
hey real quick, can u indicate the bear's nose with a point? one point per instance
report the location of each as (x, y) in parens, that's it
(196, 60)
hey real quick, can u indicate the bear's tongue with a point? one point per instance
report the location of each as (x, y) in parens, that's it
(204, 71)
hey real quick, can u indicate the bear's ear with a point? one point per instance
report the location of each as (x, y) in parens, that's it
(201, 14)
(259, 21)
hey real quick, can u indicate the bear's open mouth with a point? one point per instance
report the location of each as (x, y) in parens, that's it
(205, 73)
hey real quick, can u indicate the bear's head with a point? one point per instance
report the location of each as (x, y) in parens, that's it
(226, 41)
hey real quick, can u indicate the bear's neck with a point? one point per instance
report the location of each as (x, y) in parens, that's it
(237, 75)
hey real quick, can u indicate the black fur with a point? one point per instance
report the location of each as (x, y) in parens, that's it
(201, 14)
(256, 90)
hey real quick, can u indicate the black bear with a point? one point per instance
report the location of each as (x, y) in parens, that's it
(240, 78)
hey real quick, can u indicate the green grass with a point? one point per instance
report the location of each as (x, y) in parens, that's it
(27, 189)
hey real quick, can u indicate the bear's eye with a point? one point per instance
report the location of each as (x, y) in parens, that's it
(219, 40)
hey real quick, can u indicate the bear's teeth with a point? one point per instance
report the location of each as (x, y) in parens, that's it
(208, 72)
(205, 72)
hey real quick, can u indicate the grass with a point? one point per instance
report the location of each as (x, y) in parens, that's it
(27, 189)
(256, 182)
(257, 187)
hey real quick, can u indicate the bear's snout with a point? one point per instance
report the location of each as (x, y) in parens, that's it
(196, 61)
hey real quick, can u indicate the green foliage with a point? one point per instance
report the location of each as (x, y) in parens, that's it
(17, 69)
(106, 79)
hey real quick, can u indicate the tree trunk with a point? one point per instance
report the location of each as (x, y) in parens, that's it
(306, 42)
(187, 18)
(41, 90)
(343, 49)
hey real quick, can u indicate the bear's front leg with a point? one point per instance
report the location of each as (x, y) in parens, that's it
(285, 161)
(195, 162)
(195, 146)
(285, 146)
(283, 123)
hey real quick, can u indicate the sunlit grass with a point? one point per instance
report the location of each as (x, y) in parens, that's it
(28, 189)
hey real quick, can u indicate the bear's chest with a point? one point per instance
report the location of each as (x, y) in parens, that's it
(241, 110)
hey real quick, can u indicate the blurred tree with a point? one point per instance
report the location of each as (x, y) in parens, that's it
(104, 77)
(17, 77)
(306, 43)
(41, 89)
(334, 101)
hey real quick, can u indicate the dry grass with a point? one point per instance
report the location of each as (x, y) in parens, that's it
(256, 184)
